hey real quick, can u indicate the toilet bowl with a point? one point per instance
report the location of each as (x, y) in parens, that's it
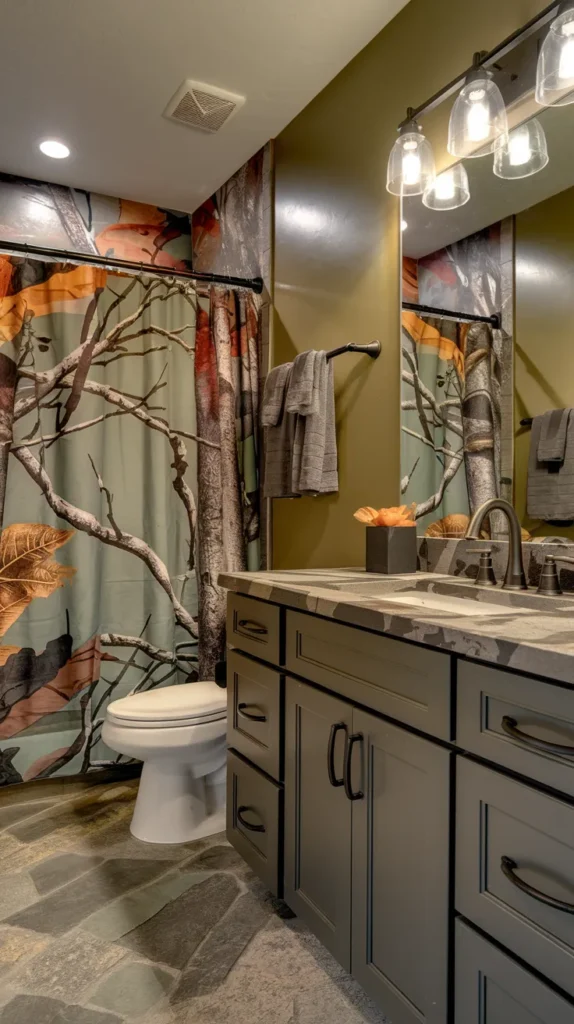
(179, 732)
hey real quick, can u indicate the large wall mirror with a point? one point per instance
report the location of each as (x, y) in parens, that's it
(478, 377)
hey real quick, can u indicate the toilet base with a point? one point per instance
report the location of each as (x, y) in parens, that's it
(174, 807)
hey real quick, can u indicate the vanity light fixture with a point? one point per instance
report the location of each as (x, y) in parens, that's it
(449, 190)
(555, 69)
(411, 168)
(404, 225)
(478, 116)
(57, 150)
(522, 152)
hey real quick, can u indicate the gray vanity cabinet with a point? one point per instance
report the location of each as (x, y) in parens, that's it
(318, 815)
(400, 870)
(491, 988)
(374, 851)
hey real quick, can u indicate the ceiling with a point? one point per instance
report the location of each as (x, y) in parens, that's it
(98, 76)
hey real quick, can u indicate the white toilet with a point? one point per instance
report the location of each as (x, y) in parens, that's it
(179, 732)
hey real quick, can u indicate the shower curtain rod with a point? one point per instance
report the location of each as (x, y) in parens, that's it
(22, 248)
(450, 314)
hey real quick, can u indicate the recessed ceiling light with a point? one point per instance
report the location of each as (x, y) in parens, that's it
(57, 150)
(404, 225)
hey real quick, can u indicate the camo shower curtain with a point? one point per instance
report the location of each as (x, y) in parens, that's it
(128, 481)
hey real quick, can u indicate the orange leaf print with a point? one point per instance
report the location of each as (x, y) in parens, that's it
(27, 569)
(424, 334)
(39, 299)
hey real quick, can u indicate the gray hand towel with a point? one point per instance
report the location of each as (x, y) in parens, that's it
(298, 413)
(314, 457)
(550, 486)
(553, 430)
(273, 403)
(278, 435)
(302, 394)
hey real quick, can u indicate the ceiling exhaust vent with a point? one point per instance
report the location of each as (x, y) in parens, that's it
(203, 106)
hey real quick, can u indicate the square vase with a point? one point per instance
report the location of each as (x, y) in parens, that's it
(391, 549)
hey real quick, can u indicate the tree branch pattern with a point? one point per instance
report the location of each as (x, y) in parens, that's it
(123, 324)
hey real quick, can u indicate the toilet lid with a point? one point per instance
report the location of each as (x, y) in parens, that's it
(184, 704)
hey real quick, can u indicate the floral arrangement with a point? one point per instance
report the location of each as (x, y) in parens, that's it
(401, 515)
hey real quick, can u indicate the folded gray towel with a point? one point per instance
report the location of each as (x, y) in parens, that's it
(300, 440)
(272, 406)
(550, 485)
(553, 430)
(302, 394)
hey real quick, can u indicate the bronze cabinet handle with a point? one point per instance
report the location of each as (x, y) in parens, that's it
(248, 714)
(508, 867)
(510, 727)
(250, 626)
(357, 737)
(335, 728)
(247, 824)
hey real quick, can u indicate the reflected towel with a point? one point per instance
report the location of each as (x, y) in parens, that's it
(553, 430)
(550, 486)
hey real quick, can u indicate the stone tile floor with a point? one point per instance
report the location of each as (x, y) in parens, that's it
(99, 928)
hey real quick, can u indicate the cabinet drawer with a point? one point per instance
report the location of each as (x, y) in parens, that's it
(518, 722)
(491, 988)
(408, 683)
(253, 819)
(254, 712)
(254, 626)
(515, 868)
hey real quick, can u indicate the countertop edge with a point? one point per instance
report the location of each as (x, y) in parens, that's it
(533, 659)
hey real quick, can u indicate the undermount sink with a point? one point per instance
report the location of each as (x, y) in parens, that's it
(470, 601)
(452, 605)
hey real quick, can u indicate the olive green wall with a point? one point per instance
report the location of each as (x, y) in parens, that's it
(337, 274)
(544, 317)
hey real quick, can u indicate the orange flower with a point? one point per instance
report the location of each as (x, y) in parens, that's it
(366, 514)
(401, 515)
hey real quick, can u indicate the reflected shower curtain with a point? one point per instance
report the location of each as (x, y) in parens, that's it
(101, 506)
(450, 419)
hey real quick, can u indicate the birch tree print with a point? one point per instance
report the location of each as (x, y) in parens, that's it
(450, 408)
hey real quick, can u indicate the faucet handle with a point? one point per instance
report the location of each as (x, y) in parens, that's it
(549, 582)
(485, 576)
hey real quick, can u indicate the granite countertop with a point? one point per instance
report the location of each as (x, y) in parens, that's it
(536, 636)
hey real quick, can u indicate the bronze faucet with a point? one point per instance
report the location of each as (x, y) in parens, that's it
(515, 578)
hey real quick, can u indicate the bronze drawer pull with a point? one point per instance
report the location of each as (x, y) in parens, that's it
(250, 626)
(508, 867)
(247, 714)
(355, 738)
(510, 727)
(335, 728)
(246, 824)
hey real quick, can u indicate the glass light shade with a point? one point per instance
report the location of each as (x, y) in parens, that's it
(478, 117)
(555, 70)
(522, 152)
(411, 169)
(449, 191)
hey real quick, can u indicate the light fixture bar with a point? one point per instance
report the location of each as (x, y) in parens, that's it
(488, 59)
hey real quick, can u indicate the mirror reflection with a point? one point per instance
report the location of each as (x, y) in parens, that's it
(488, 328)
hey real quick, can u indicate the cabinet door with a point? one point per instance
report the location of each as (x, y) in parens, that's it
(318, 815)
(400, 870)
(491, 988)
